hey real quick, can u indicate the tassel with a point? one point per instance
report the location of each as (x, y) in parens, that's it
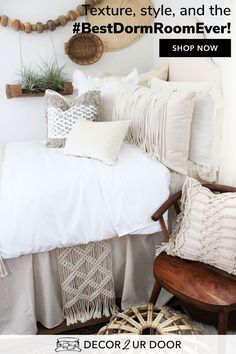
(3, 270)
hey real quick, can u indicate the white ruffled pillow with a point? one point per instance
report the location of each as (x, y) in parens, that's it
(109, 86)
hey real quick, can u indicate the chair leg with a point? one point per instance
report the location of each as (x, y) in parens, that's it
(223, 322)
(155, 293)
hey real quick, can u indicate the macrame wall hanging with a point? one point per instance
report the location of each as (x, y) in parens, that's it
(50, 25)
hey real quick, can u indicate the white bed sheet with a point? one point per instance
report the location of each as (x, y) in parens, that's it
(50, 200)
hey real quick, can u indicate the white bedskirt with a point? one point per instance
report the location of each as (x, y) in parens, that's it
(31, 292)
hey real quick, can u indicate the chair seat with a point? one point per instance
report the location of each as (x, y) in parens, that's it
(206, 287)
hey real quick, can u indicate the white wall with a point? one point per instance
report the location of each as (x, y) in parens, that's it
(23, 118)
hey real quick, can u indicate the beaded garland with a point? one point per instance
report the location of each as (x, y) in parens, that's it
(50, 25)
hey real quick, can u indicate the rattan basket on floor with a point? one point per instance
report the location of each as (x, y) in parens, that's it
(150, 320)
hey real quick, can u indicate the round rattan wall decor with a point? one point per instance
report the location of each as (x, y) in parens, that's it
(112, 41)
(84, 48)
(150, 320)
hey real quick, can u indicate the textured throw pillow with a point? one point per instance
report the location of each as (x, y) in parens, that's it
(206, 229)
(97, 140)
(62, 114)
(205, 132)
(109, 86)
(160, 123)
(161, 73)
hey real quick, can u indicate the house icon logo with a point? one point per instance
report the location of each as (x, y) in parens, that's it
(68, 344)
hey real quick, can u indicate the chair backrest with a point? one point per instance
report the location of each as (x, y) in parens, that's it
(174, 201)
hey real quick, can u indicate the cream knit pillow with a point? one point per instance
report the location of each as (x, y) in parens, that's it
(206, 229)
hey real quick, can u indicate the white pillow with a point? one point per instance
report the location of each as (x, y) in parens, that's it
(205, 132)
(206, 230)
(98, 140)
(160, 73)
(108, 86)
(160, 123)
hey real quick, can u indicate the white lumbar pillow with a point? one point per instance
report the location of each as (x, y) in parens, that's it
(109, 86)
(97, 140)
(204, 142)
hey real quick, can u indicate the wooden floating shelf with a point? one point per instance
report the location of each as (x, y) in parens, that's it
(14, 91)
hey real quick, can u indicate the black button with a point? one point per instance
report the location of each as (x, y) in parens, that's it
(195, 48)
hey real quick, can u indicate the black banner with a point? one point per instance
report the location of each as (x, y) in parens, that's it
(195, 48)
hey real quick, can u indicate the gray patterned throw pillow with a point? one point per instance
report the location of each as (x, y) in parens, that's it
(62, 114)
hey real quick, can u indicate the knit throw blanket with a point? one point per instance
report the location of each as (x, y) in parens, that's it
(86, 282)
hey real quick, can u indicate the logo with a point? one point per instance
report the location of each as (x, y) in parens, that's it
(68, 344)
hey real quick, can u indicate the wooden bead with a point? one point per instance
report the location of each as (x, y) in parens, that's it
(16, 24)
(72, 15)
(22, 27)
(89, 2)
(39, 27)
(62, 20)
(34, 27)
(45, 27)
(51, 25)
(4, 20)
(28, 27)
(80, 10)
(57, 22)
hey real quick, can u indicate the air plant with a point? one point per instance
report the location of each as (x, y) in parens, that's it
(48, 75)
(51, 76)
(30, 80)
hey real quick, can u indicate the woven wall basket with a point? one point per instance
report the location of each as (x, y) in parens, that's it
(113, 42)
(150, 320)
(84, 48)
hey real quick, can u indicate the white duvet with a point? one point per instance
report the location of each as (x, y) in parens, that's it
(50, 200)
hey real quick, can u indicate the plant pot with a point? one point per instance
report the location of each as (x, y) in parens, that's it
(13, 91)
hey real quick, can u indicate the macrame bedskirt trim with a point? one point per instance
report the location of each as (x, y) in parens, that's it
(86, 280)
(84, 311)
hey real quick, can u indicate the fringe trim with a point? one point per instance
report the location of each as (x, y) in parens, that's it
(162, 248)
(83, 311)
(146, 131)
(3, 271)
(177, 240)
(86, 282)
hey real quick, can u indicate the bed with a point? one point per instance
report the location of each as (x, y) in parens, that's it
(31, 293)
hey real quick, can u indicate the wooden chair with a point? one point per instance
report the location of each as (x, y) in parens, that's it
(194, 283)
